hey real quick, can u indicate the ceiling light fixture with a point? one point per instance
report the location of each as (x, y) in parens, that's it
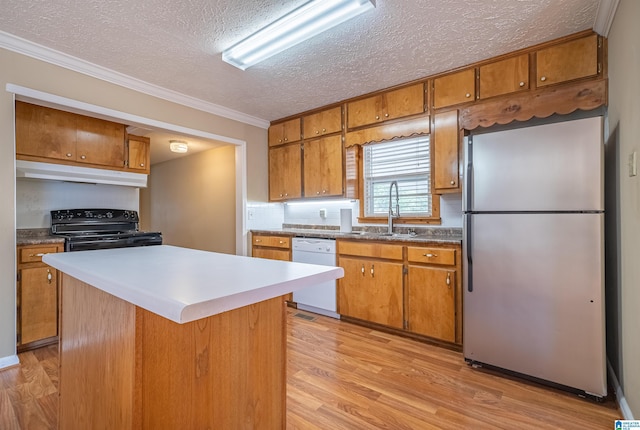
(179, 146)
(297, 26)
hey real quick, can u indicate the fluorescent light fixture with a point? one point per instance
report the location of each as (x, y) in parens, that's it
(178, 146)
(297, 26)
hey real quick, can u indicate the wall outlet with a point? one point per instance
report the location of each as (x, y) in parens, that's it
(633, 164)
(250, 214)
(323, 213)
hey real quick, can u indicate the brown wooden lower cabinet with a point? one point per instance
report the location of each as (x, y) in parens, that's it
(411, 287)
(431, 305)
(272, 247)
(371, 290)
(37, 297)
(122, 367)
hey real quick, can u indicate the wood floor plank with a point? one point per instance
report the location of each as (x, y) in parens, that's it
(341, 376)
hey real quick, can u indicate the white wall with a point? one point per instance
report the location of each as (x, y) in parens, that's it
(623, 208)
(36, 198)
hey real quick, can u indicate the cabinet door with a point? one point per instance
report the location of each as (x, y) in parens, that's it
(100, 142)
(446, 158)
(504, 77)
(284, 132)
(271, 254)
(364, 112)
(371, 290)
(45, 132)
(138, 152)
(404, 102)
(431, 302)
(571, 60)
(38, 304)
(324, 122)
(454, 88)
(323, 170)
(285, 173)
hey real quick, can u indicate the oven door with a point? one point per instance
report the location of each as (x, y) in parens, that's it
(86, 243)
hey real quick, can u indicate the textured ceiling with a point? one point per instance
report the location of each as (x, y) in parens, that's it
(177, 44)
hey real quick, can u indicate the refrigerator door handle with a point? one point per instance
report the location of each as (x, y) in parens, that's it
(467, 190)
(467, 244)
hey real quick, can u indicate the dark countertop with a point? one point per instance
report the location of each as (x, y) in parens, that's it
(437, 235)
(36, 236)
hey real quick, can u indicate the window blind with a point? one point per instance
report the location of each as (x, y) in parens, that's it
(406, 161)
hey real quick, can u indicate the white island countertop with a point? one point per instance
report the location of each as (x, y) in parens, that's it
(184, 284)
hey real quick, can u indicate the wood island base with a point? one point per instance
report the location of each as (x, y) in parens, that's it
(122, 367)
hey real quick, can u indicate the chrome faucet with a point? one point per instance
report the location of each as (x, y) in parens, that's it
(397, 213)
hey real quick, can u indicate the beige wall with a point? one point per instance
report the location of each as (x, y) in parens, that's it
(25, 71)
(624, 256)
(192, 200)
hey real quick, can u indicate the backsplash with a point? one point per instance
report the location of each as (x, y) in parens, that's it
(265, 216)
(36, 198)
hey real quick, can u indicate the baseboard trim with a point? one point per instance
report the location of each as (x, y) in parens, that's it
(9, 361)
(622, 402)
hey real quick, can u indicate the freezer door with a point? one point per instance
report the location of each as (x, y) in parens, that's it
(552, 167)
(537, 300)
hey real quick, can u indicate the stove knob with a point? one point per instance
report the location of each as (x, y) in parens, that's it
(126, 214)
(109, 214)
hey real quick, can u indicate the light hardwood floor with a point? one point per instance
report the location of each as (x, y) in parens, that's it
(342, 376)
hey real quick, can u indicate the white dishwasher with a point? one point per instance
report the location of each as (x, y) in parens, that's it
(319, 298)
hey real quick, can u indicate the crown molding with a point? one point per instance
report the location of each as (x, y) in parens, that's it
(604, 16)
(39, 52)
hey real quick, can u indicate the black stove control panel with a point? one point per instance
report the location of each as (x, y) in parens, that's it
(93, 215)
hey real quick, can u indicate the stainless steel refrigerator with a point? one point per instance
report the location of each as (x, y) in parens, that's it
(534, 253)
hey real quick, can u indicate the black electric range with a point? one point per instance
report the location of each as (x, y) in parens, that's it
(88, 229)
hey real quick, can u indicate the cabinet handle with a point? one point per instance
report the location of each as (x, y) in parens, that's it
(37, 255)
(324, 129)
(430, 255)
(521, 84)
(285, 139)
(141, 164)
(68, 154)
(49, 276)
(279, 140)
(453, 182)
(281, 242)
(83, 157)
(543, 78)
(372, 271)
(386, 115)
(467, 95)
(363, 270)
(449, 279)
(317, 192)
(377, 116)
(317, 131)
(324, 191)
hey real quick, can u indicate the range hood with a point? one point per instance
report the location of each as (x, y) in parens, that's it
(62, 172)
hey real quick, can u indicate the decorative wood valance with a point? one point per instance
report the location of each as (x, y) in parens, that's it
(586, 95)
(395, 130)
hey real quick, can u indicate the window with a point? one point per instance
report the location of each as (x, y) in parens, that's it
(407, 161)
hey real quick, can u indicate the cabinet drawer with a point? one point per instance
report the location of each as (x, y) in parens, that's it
(272, 241)
(376, 250)
(431, 255)
(34, 254)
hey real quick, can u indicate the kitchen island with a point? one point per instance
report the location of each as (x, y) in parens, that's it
(165, 337)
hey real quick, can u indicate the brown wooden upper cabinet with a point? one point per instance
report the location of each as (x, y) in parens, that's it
(138, 153)
(285, 173)
(504, 77)
(568, 61)
(446, 141)
(388, 105)
(323, 122)
(455, 88)
(47, 133)
(285, 132)
(323, 170)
